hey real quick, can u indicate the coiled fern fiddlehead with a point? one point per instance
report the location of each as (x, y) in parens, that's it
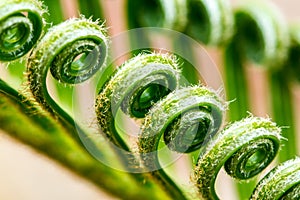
(261, 37)
(282, 182)
(244, 148)
(44, 132)
(173, 140)
(73, 51)
(21, 25)
(185, 119)
(135, 87)
(210, 22)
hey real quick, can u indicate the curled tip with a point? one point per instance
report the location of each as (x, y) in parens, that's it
(211, 22)
(185, 118)
(21, 25)
(135, 87)
(261, 32)
(282, 182)
(244, 148)
(157, 13)
(73, 50)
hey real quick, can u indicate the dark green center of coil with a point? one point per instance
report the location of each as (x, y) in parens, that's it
(248, 37)
(18, 34)
(146, 97)
(198, 21)
(78, 61)
(15, 36)
(251, 159)
(292, 193)
(145, 86)
(188, 131)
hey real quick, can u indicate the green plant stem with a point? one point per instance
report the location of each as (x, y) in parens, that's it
(185, 119)
(54, 17)
(286, 176)
(235, 83)
(261, 37)
(185, 54)
(244, 148)
(55, 12)
(91, 8)
(50, 139)
(6, 89)
(283, 112)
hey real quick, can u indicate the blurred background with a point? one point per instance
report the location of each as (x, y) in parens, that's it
(27, 175)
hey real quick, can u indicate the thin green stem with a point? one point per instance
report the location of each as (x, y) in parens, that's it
(236, 85)
(185, 54)
(6, 89)
(55, 11)
(283, 112)
(91, 8)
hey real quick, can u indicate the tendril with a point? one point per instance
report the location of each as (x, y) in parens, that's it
(135, 87)
(185, 118)
(210, 21)
(21, 25)
(282, 182)
(262, 38)
(73, 51)
(157, 13)
(244, 148)
(261, 33)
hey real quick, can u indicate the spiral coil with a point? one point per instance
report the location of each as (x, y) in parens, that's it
(73, 51)
(147, 87)
(21, 25)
